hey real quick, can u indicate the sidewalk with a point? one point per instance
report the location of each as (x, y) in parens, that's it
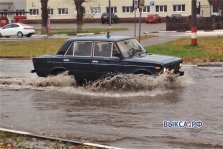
(166, 36)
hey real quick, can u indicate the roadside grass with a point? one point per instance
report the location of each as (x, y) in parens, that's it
(84, 30)
(12, 141)
(209, 49)
(29, 48)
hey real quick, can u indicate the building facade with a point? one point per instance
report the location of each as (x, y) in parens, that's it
(65, 9)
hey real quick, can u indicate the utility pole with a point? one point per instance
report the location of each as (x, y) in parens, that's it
(140, 22)
(135, 6)
(109, 5)
(141, 6)
(194, 23)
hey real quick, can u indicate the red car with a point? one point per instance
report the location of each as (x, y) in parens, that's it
(153, 18)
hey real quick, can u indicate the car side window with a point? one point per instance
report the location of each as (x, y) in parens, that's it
(14, 25)
(115, 51)
(70, 50)
(8, 26)
(82, 48)
(103, 49)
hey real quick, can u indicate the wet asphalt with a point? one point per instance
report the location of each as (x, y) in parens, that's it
(120, 118)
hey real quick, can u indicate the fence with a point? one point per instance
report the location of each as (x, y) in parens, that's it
(203, 23)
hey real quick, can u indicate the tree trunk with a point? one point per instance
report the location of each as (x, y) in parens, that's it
(221, 7)
(44, 5)
(80, 14)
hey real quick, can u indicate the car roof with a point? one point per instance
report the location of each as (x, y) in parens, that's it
(64, 47)
(17, 24)
(101, 38)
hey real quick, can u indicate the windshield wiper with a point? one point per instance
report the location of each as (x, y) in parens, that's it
(134, 52)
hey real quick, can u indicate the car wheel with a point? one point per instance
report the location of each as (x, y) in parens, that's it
(0, 35)
(102, 22)
(57, 72)
(79, 81)
(20, 34)
(147, 22)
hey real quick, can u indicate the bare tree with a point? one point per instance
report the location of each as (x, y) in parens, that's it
(80, 13)
(44, 5)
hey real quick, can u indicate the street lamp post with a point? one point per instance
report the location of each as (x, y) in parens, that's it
(109, 5)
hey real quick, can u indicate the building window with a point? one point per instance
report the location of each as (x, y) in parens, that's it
(161, 8)
(20, 11)
(34, 12)
(113, 9)
(62, 11)
(95, 10)
(50, 11)
(127, 9)
(178, 8)
(146, 9)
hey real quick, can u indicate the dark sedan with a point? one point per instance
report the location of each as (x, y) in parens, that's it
(105, 18)
(90, 58)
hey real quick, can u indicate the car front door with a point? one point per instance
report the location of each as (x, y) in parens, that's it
(7, 30)
(106, 60)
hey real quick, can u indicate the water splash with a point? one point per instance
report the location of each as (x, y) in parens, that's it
(122, 85)
(131, 83)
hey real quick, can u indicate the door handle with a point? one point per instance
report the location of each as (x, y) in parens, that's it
(66, 60)
(94, 61)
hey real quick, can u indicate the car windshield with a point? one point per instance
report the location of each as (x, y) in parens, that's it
(131, 47)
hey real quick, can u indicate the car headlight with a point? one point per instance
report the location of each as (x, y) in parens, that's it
(180, 65)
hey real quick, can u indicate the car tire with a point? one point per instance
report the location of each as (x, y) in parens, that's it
(0, 35)
(20, 34)
(147, 22)
(79, 81)
(57, 72)
(102, 22)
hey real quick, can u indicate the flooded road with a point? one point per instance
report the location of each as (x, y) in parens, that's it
(126, 117)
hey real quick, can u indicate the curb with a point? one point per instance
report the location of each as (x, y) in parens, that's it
(27, 134)
(220, 30)
(203, 65)
(85, 34)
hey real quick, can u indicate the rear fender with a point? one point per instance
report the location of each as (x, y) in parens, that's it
(57, 69)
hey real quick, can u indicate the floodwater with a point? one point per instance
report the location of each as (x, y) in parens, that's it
(124, 111)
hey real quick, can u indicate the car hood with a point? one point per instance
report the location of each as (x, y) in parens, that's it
(154, 58)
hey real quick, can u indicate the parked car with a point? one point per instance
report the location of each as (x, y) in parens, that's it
(153, 18)
(177, 17)
(105, 18)
(16, 29)
(91, 58)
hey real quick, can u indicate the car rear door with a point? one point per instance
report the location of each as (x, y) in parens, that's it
(78, 59)
(106, 59)
(15, 29)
